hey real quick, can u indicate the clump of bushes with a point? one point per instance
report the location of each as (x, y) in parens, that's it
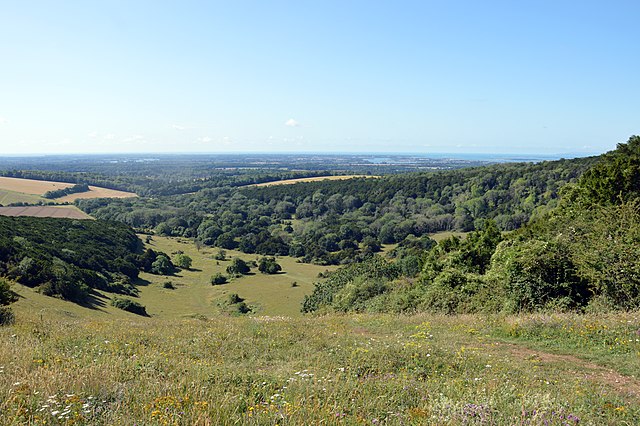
(268, 265)
(129, 306)
(237, 305)
(6, 297)
(218, 279)
(238, 267)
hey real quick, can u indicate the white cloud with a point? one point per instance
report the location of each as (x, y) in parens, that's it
(178, 127)
(205, 139)
(291, 123)
(135, 138)
(93, 135)
(3, 120)
(109, 137)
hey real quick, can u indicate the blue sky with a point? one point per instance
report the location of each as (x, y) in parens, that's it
(537, 77)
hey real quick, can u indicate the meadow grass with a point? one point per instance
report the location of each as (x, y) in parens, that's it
(194, 294)
(439, 236)
(356, 369)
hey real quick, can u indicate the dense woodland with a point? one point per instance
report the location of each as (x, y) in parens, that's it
(68, 258)
(337, 222)
(581, 254)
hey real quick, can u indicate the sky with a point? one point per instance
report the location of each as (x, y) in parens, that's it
(521, 77)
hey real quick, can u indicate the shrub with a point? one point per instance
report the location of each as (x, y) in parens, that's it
(169, 285)
(234, 298)
(535, 273)
(242, 308)
(129, 306)
(162, 265)
(182, 261)
(238, 267)
(6, 295)
(218, 279)
(7, 316)
(268, 265)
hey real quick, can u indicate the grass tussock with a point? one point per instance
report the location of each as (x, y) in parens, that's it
(359, 369)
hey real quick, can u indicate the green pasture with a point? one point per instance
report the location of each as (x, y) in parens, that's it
(194, 294)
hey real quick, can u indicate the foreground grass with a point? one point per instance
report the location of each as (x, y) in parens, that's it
(373, 369)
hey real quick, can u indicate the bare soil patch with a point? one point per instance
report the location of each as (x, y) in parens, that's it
(69, 212)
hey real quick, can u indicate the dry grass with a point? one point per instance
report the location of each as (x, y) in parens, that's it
(39, 187)
(96, 192)
(66, 368)
(70, 212)
(30, 186)
(312, 179)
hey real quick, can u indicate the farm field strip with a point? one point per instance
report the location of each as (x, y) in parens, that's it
(96, 192)
(312, 179)
(31, 186)
(7, 197)
(39, 187)
(69, 212)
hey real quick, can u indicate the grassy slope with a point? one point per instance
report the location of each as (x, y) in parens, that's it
(194, 294)
(106, 366)
(357, 369)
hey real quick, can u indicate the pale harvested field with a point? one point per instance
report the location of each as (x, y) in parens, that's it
(96, 192)
(312, 179)
(39, 187)
(69, 212)
(30, 186)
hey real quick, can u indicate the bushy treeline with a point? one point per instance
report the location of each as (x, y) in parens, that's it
(583, 254)
(337, 222)
(164, 180)
(67, 258)
(58, 193)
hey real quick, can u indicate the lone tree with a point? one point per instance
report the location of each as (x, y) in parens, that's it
(268, 265)
(182, 261)
(162, 265)
(238, 267)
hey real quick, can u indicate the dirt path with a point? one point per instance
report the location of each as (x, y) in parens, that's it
(625, 385)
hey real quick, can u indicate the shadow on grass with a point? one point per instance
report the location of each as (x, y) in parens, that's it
(141, 282)
(95, 301)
